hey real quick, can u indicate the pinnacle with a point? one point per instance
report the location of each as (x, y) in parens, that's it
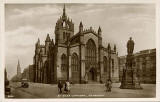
(48, 37)
(99, 29)
(81, 24)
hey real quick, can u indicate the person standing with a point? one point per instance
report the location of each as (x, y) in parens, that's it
(68, 86)
(65, 87)
(109, 85)
(60, 86)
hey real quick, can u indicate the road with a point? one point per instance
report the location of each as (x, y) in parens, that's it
(37, 90)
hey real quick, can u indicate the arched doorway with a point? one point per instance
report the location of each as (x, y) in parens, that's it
(92, 75)
(75, 68)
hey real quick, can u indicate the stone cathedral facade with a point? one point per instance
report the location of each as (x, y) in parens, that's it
(78, 57)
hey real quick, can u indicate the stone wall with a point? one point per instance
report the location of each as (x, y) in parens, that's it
(145, 64)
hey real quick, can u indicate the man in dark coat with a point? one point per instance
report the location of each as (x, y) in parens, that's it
(60, 86)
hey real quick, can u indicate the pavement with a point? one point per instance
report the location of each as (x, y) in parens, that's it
(38, 90)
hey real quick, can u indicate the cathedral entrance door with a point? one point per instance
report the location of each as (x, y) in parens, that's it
(91, 75)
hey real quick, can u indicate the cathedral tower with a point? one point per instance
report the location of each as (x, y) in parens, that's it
(64, 28)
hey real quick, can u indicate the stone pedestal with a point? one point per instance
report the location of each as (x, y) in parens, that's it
(130, 79)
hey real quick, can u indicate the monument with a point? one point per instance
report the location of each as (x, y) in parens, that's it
(129, 78)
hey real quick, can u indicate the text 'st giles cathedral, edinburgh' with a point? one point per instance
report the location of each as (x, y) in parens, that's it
(79, 58)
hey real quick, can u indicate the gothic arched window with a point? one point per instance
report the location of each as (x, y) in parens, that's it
(90, 53)
(74, 62)
(64, 62)
(64, 24)
(75, 69)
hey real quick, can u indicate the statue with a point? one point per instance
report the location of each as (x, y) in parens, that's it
(130, 79)
(130, 46)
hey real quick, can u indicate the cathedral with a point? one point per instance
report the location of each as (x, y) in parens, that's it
(78, 57)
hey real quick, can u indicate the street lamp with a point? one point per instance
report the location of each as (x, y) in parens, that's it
(68, 53)
(109, 55)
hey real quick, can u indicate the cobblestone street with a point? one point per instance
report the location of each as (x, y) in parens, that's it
(37, 90)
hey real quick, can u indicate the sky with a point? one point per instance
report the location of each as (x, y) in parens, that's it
(25, 23)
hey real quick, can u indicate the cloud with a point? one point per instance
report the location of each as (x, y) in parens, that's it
(27, 17)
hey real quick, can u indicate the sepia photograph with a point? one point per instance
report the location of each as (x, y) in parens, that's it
(80, 50)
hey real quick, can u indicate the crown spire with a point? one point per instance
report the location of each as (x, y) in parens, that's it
(64, 11)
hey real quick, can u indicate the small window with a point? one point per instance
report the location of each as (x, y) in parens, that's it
(63, 62)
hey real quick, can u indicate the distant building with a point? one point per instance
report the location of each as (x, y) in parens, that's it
(6, 81)
(25, 74)
(28, 73)
(31, 73)
(18, 69)
(146, 65)
(18, 76)
(79, 57)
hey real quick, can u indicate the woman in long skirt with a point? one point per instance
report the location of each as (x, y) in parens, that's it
(68, 86)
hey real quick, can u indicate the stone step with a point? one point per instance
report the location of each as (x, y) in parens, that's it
(93, 82)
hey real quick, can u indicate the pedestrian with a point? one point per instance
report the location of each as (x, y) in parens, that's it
(109, 85)
(60, 86)
(65, 87)
(68, 86)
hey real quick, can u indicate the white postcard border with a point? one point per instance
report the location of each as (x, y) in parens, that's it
(2, 52)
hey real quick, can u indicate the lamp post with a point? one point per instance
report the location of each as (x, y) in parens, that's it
(109, 66)
(109, 55)
(68, 57)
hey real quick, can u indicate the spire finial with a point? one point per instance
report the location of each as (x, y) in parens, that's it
(64, 10)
